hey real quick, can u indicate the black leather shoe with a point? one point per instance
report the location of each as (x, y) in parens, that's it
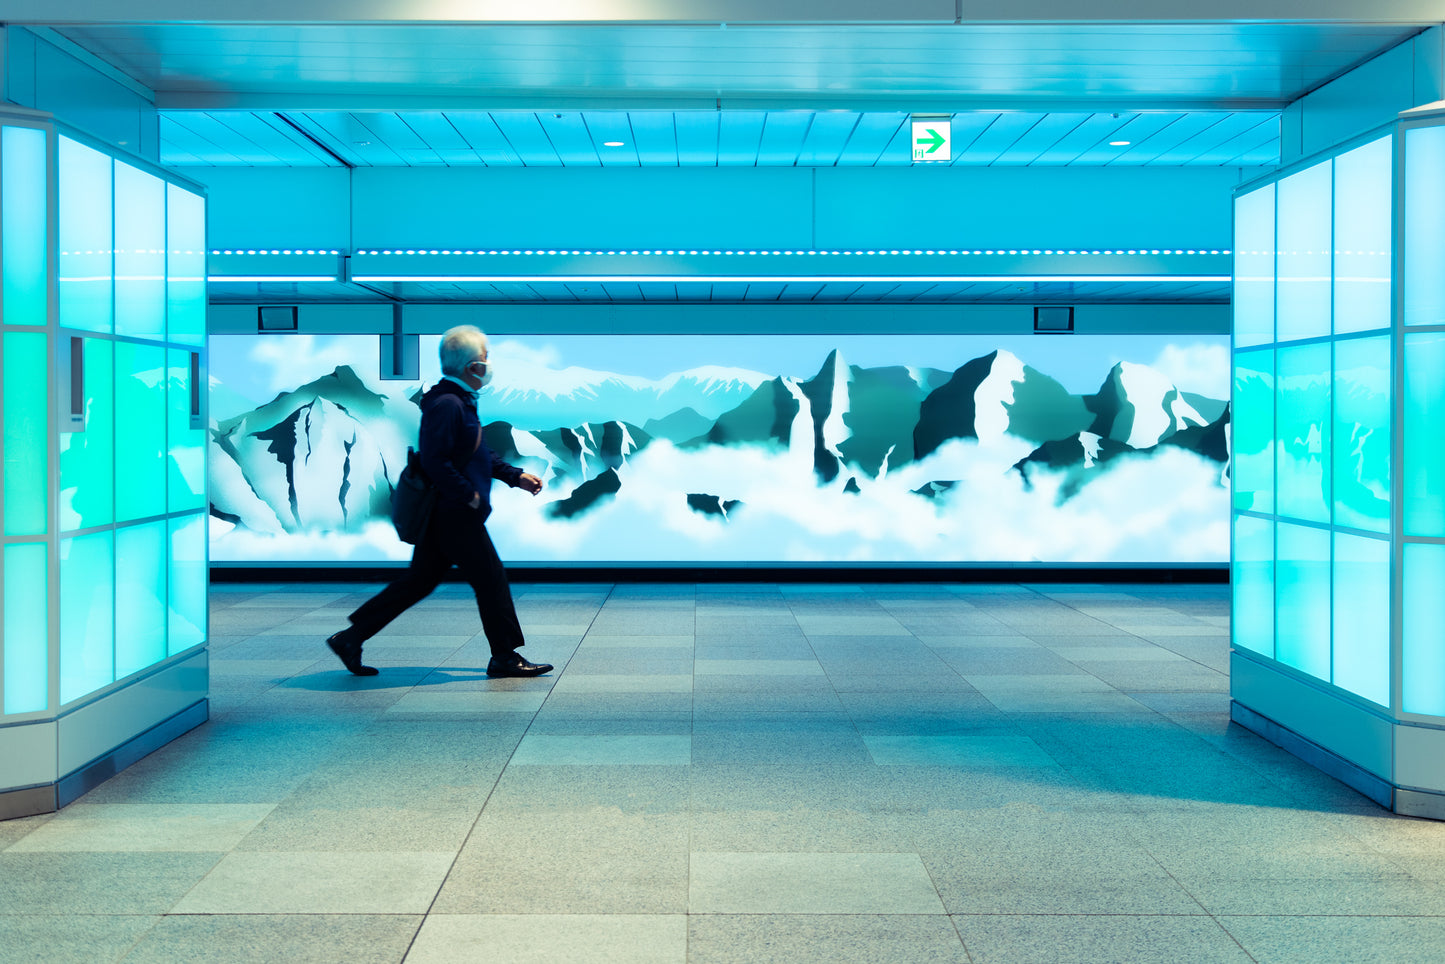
(516, 665)
(350, 654)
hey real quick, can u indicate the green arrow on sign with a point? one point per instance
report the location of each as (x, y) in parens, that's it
(934, 142)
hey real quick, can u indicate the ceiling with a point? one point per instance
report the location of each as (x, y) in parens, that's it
(720, 94)
(735, 138)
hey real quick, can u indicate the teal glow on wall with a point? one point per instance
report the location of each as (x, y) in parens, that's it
(1252, 423)
(1360, 441)
(27, 628)
(185, 266)
(140, 598)
(87, 457)
(1422, 658)
(23, 221)
(1252, 576)
(185, 438)
(140, 253)
(26, 436)
(189, 582)
(1424, 282)
(1422, 454)
(1254, 268)
(87, 618)
(140, 423)
(1302, 598)
(1362, 616)
(86, 269)
(1364, 188)
(1304, 290)
(1302, 411)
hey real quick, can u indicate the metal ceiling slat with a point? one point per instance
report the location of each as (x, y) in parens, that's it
(479, 129)
(352, 140)
(694, 291)
(655, 136)
(1140, 128)
(526, 137)
(1226, 151)
(605, 126)
(1159, 148)
(1265, 155)
(1200, 148)
(621, 291)
(210, 128)
(759, 291)
(438, 133)
(869, 141)
(698, 138)
(783, 135)
(398, 136)
(798, 291)
(1068, 148)
(657, 292)
(1050, 129)
(999, 137)
(965, 129)
(570, 138)
(827, 138)
(173, 130)
(899, 152)
(287, 143)
(739, 135)
(730, 291)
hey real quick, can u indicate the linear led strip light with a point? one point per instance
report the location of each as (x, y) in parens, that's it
(792, 279)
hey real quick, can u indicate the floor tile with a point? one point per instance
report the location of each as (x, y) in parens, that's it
(98, 883)
(966, 750)
(548, 938)
(319, 883)
(823, 939)
(1057, 939)
(144, 827)
(262, 939)
(810, 883)
(612, 750)
(69, 939)
(485, 701)
(1359, 940)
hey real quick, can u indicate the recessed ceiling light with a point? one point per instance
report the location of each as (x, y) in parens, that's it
(612, 143)
(1119, 143)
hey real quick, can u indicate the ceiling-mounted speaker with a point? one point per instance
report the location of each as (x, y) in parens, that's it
(276, 318)
(1053, 319)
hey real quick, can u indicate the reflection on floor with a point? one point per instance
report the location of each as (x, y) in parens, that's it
(729, 773)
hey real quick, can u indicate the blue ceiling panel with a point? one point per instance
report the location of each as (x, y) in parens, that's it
(1050, 129)
(657, 292)
(484, 137)
(178, 140)
(827, 138)
(622, 291)
(914, 291)
(732, 291)
(1227, 152)
(800, 292)
(199, 130)
(1140, 128)
(613, 126)
(999, 136)
(764, 291)
(899, 152)
(783, 135)
(739, 136)
(553, 291)
(965, 129)
(698, 139)
(1202, 147)
(345, 134)
(570, 138)
(655, 137)
(875, 132)
(1098, 127)
(398, 135)
(525, 135)
(1159, 147)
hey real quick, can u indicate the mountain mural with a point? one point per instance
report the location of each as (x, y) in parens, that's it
(324, 456)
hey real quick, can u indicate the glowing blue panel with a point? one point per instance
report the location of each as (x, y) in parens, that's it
(1304, 253)
(1253, 430)
(1252, 578)
(1362, 619)
(87, 458)
(140, 430)
(1422, 658)
(1424, 282)
(26, 435)
(1422, 454)
(1362, 247)
(140, 597)
(1361, 439)
(86, 265)
(87, 614)
(27, 628)
(1302, 599)
(23, 222)
(185, 266)
(1254, 267)
(185, 439)
(188, 582)
(1302, 412)
(140, 253)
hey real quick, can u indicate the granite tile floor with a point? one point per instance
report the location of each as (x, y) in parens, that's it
(727, 773)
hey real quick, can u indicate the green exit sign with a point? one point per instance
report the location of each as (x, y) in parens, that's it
(932, 138)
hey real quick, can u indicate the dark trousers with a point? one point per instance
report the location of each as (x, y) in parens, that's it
(455, 537)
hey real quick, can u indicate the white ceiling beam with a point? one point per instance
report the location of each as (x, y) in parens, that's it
(722, 11)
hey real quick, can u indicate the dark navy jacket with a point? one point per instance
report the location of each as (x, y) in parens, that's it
(453, 452)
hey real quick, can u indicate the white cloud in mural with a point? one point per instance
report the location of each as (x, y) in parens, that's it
(294, 360)
(1199, 367)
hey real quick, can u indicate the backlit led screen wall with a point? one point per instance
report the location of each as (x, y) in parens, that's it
(809, 449)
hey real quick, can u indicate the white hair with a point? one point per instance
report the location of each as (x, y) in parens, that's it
(460, 347)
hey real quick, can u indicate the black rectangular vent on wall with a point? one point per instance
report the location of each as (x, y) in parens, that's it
(1054, 319)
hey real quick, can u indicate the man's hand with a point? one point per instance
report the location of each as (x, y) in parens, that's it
(476, 501)
(530, 482)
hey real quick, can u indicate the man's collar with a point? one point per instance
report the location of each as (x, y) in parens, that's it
(472, 393)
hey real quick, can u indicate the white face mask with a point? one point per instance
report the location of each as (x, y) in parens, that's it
(486, 376)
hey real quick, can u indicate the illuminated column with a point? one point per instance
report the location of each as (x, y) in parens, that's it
(1338, 476)
(102, 353)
